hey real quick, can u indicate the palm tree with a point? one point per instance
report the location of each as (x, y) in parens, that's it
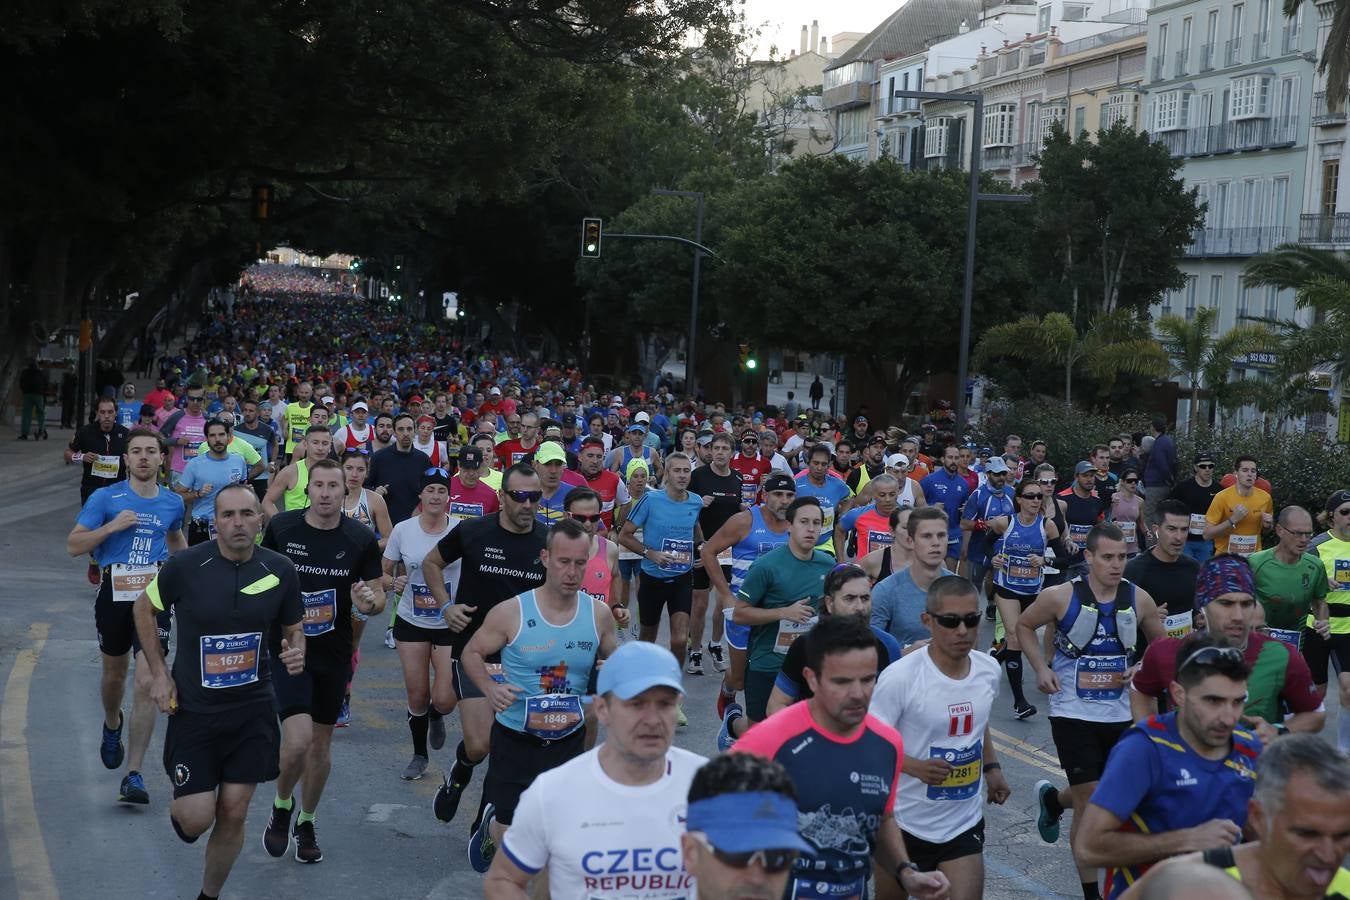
(1280, 399)
(1199, 357)
(1114, 344)
(1320, 279)
(1335, 62)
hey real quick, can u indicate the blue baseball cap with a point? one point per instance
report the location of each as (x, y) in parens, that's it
(748, 821)
(637, 666)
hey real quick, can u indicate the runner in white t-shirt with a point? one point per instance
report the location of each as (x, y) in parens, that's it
(608, 823)
(939, 698)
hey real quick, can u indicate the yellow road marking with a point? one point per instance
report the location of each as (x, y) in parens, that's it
(1005, 752)
(27, 852)
(1007, 740)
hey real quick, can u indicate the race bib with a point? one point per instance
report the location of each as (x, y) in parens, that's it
(681, 552)
(1078, 535)
(789, 631)
(552, 716)
(423, 603)
(811, 889)
(1198, 523)
(1127, 529)
(129, 581)
(320, 611)
(1100, 677)
(106, 467)
(1291, 636)
(1342, 571)
(191, 449)
(230, 660)
(963, 781)
(494, 670)
(877, 539)
(1242, 544)
(297, 434)
(1021, 568)
(466, 510)
(724, 558)
(749, 491)
(1178, 625)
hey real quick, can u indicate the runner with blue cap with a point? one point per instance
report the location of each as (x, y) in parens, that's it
(609, 822)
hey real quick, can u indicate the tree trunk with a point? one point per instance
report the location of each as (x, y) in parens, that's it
(1195, 404)
(1068, 383)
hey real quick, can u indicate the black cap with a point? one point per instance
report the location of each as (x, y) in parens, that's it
(1203, 457)
(777, 481)
(470, 457)
(568, 421)
(1335, 500)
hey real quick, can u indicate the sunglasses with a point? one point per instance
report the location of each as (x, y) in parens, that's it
(1130, 480)
(197, 399)
(951, 620)
(525, 496)
(1204, 465)
(1032, 496)
(772, 861)
(1046, 482)
(581, 518)
(364, 451)
(1209, 655)
(437, 471)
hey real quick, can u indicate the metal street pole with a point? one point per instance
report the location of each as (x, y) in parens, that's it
(691, 346)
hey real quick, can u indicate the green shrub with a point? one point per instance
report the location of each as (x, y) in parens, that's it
(1303, 468)
(1068, 431)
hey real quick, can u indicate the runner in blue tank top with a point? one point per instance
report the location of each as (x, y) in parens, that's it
(749, 535)
(1019, 563)
(549, 640)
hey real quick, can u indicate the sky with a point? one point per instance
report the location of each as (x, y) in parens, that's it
(785, 19)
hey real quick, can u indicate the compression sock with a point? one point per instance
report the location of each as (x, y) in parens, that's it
(418, 725)
(463, 770)
(1090, 891)
(288, 803)
(1012, 661)
(1343, 731)
(304, 817)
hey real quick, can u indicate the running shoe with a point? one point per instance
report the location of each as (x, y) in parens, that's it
(389, 638)
(345, 716)
(112, 751)
(724, 699)
(724, 738)
(133, 789)
(436, 731)
(996, 649)
(990, 611)
(1047, 823)
(695, 664)
(277, 835)
(307, 844)
(481, 846)
(446, 803)
(417, 767)
(719, 660)
(94, 574)
(680, 718)
(633, 628)
(1025, 711)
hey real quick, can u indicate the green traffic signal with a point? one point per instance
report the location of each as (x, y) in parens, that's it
(590, 238)
(751, 363)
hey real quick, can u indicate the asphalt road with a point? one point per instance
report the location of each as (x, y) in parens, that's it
(64, 834)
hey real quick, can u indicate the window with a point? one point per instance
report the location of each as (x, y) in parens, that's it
(1272, 302)
(1000, 125)
(1331, 179)
(1218, 211)
(1242, 297)
(1185, 48)
(854, 71)
(1192, 283)
(1170, 109)
(1167, 302)
(1049, 116)
(1215, 292)
(1285, 108)
(1121, 108)
(935, 136)
(1076, 12)
(1079, 120)
(1235, 31)
(1043, 19)
(1249, 97)
(853, 126)
(1212, 27)
(1279, 197)
(1162, 41)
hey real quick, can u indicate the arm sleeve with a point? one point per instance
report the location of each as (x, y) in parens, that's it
(450, 547)
(1130, 772)
(790, 679)
(1299, 691)
(526, 841)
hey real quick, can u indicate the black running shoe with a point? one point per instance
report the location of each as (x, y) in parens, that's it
(1025, 711)
(446, 803)
(277, 836)
(307, 844)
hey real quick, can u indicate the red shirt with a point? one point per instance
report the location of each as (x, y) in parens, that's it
(752, 470)
(469, 503)
(511, 452)
(607, 485)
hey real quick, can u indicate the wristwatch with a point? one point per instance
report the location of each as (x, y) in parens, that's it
(900, 868)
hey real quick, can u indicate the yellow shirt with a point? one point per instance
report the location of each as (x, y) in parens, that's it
(1245, 539)
(492, 478)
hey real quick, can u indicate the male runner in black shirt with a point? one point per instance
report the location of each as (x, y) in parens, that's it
(720, 488)
(338, 562)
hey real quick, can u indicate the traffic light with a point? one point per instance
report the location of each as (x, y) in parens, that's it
(590, 238)
(398, 260)
(356, 265)
(748, 361)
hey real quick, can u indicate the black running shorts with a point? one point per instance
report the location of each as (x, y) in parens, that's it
(237, 746)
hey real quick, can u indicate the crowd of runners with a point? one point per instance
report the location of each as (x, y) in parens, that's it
(310, 468)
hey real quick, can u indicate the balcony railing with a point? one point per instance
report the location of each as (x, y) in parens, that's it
(1132, 16)
(1261, 45)
(1231, 137)
(850, 93)
(1156, 68)
(1322, 114)
(1318, 229)
(1206, 57)
(1093, 41)
(896, 106)
(1179, 67)
(1232, 54)
(1245, 241)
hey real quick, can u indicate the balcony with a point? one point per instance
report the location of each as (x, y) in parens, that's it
(1322, 116)
(1246, 241)
(849, 94)
(1206, 57)
(1231, 137)
(1261, 45)
(1093, 41)
(899, 106)
(1131, 16)
(1232, 52)
(1179, 66)
(1015, 156)
(1331, 230)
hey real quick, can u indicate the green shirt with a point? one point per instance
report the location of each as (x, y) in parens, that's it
(1287, 592)
(775, 580)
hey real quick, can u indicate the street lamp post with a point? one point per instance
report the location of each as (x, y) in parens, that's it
(693, 302)
(976, 147)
